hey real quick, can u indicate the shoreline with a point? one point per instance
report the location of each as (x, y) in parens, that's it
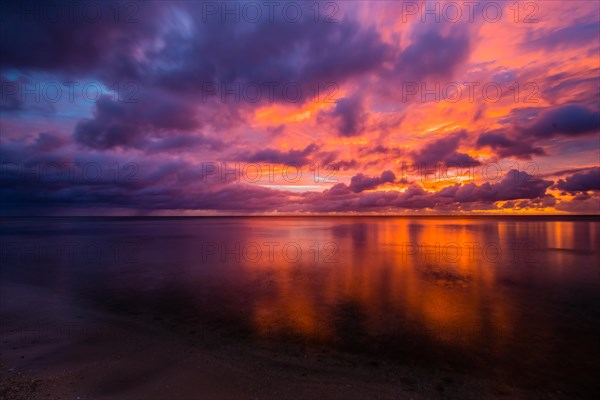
(132, 359)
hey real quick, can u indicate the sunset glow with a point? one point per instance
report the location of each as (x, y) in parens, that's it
(179, 108)
(299, 199)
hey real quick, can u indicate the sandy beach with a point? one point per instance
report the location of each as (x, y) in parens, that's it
(82, 353)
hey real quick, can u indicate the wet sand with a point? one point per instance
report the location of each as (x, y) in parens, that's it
(97, 355)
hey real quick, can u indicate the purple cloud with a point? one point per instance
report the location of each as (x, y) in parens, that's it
(568, 120)
(504, 146)
(348, 117)
(290, 157)
(444, 150)
(128, 124)
(360, 182)
(581, 182)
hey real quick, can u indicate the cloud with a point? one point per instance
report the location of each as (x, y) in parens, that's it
(46, 142)
(280, 57)
(515, 185)
(569, 37)
(172, 46)
(40, 36)
(128, 124)
(348, 117)
(580, 182)
(507, 147)
(360, 182)
(181, 143)
(170, 52)
(530, 128)
(343, 164)
(519, 185)
(581, 205)
(290, 157)
(444, 150)
(537, 203)
(436, 51)
(568, 120)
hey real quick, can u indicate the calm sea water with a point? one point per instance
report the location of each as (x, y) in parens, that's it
(518, 297)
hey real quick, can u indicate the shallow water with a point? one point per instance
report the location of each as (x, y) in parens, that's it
(512, 298)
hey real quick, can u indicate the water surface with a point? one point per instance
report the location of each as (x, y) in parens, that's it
(510, 298)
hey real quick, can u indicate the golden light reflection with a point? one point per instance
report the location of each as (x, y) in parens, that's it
(439, 274)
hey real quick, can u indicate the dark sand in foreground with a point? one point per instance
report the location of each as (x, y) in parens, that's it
(96, 355)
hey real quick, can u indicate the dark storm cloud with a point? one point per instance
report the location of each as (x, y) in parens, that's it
(279, 52)
(74, 37)
(494, 140)
(444, 150)
(290, 157)
(348, 117)
(504, 146)
(568, 120)
(528, 129)
(184, 143)
(515, 185)
(581, 181)
(341, 198)
(414, 197)
(352, 117)
(170, 45)
(434, 53)
(519, 185)
(360, 182)
(127, 124)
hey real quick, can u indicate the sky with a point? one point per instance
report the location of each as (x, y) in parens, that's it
(348, 107)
